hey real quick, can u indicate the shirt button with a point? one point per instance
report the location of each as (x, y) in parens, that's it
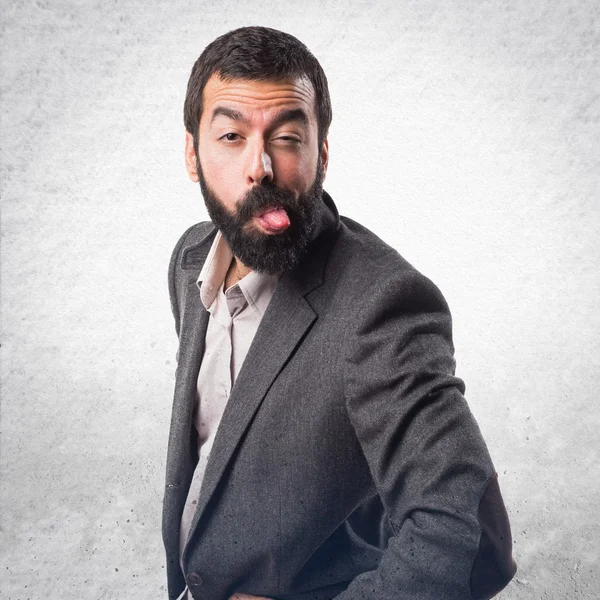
(194, 579)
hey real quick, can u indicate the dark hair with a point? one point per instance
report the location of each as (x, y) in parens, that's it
(256, 53)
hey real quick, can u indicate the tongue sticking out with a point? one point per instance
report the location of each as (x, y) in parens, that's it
(275, 220)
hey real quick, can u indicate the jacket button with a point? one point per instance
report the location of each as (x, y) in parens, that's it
(194, 579)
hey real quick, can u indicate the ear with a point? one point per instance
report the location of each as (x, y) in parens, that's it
(190, 157)
(324, 155)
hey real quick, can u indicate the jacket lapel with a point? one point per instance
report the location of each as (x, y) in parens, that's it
(194, 322)
(281, 335)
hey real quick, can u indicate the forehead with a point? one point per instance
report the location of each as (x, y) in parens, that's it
(264, 96)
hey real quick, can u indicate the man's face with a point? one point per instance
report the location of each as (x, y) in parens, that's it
(260, 168)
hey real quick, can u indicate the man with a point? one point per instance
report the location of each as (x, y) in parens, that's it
(320, 444)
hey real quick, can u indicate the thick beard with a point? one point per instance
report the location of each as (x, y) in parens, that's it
(264, 253)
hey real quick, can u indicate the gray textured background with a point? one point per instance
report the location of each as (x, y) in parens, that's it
(465, 133)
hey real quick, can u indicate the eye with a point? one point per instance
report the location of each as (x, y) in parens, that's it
(288, 140)
(230, 137)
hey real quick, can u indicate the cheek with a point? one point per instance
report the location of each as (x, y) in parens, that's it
(294, 173)
(219, 174)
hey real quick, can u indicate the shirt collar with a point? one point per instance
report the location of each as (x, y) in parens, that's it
(214, 270)
(257, 288)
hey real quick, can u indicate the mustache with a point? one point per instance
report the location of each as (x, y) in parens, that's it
(266, 196)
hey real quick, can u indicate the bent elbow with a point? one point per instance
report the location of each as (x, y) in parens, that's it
(494, 565)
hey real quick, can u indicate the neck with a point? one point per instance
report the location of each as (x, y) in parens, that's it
(237, 270)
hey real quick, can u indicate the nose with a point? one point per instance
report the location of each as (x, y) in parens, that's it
(260, 168)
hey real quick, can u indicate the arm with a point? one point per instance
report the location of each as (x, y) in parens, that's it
(428, 460)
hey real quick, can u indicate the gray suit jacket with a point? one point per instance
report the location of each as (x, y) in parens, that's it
(347, 463)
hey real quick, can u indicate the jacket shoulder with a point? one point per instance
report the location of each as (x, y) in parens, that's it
(193, 237)
(364, 252)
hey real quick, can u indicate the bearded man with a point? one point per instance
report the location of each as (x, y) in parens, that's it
(320, 443)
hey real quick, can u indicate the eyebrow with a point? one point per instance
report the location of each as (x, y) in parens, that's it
(296, 115)
(234, 115)
(284, 116)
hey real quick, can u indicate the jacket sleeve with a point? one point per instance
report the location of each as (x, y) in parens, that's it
(430, 465)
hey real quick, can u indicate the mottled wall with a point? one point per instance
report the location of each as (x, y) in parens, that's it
(465, 133)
